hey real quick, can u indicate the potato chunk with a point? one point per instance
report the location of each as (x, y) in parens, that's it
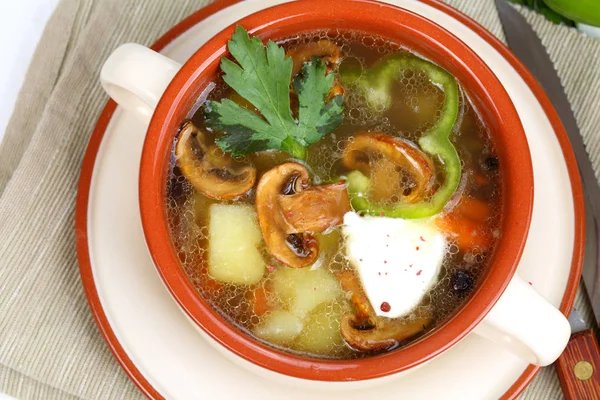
(303, 289)
(232, 245)
(321, 333)
(279, 327)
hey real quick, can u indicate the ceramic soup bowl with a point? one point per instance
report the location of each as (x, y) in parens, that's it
(503, 308)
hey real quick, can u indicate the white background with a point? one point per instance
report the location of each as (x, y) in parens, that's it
(21, 25)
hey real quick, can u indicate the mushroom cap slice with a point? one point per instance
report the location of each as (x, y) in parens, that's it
(290, 211)
(210, 170)
(364, 331)
(325, 49)
(399, 171)
(384, 335)
(294, 250)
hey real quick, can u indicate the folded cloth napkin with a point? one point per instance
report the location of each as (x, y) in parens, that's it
(49, 345)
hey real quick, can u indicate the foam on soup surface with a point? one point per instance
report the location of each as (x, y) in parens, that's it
(244, 260)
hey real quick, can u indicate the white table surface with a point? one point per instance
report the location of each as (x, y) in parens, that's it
(21, 25)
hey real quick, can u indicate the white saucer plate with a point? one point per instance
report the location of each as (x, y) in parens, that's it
(178, 363)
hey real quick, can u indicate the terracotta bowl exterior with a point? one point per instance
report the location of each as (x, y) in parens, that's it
(416, 33)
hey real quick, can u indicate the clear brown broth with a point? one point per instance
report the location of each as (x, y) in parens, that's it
(415, 108)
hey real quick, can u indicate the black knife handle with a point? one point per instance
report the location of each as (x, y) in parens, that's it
(578, 367)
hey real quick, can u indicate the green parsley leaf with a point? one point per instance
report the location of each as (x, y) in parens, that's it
(262, 76)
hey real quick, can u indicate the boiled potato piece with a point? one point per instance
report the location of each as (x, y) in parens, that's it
(321, 331)
(233, 238)
(303, 289)
(279, 327)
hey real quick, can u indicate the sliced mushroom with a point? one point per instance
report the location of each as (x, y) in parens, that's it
(364, 330)
(315, 209)
(328, 51)
(362, 307)
(382, 336)
(210, 170)
(399, 171)
(290, 211)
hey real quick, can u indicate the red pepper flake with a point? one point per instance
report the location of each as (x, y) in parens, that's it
(421, 237)
(387, 245)
(419, 273)
(382, 213)
(270, 268)
(364, 298)
(360, 259)
(385, 261)
(385, 306)
(315, 289)
(530, 283)
(386, 273)
(379, 273)
(387, 235)
(289, 215)
(417, 248)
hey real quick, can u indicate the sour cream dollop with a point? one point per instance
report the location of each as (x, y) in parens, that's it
(398, 260)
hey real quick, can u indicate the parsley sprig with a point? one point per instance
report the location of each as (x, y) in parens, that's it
(262, 76)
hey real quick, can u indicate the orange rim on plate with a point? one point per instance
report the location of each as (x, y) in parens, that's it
(97, 135)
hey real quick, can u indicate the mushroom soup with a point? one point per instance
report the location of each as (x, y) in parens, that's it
(335, 196)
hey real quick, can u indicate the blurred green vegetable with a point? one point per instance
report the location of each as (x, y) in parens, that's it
(584, 11)
(541, 7)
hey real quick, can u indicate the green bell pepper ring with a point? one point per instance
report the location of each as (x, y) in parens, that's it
(435, 142)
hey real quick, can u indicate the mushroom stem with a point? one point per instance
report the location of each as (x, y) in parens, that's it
(315, 209)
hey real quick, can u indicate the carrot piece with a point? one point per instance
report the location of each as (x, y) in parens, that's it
(208, 285)
(471, 208)
(467, 233)
(260, 301)
(480, 179)
(212, 285)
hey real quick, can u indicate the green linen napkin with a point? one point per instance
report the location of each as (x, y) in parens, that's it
(50, 347)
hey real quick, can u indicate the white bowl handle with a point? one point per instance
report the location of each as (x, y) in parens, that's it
(136, 77)
(526, 324)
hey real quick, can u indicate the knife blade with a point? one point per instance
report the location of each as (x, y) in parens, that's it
(579, 366)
